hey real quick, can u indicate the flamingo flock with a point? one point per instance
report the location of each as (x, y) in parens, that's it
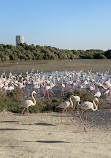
(50, 84)
(46, 84)
(84, 106)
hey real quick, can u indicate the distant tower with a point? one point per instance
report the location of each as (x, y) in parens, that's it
(19, 39)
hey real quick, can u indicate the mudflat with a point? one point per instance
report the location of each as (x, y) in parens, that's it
(57, 65)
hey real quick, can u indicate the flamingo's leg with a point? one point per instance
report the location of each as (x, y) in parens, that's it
(28, 116)
(21, 115)
(52, 92)
(81, 114)
(48, 94)
(44, 94)
(62, 116)
(69, 116)
(85, 128)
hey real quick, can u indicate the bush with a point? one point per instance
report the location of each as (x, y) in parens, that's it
(68, 95)
(4, 101)
(13, 107)
(85, 96)
(16, 95)
(12, 100)
(103, 105)
(45, 105)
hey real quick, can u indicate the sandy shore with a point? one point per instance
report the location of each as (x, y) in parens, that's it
(48, 138)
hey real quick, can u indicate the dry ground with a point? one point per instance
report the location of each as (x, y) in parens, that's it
(48, 138)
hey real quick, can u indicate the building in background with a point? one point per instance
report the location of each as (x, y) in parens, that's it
(19, 39)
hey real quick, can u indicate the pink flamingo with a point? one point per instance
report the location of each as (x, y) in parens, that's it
(64, 105)
(47, 89)
(62, 88)
(74, 100)
(26, 104)
(52, 85)
(97, 94)
(88, 106)
(37, 87)
(107, 89)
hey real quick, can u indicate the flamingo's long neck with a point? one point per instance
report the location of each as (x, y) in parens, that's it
(71, 102)
(33, 99)
(95, 108)
(77, 103)
(62, 81)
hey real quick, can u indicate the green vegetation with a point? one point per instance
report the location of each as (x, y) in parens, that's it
(36, 52)
(11, 101)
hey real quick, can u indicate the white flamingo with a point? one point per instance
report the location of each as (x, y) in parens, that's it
(37, 86)
(107, 89)
(27, 104)
(88, 106)
(74, 100)
(47, 89)
(62, 88)
(97, 94)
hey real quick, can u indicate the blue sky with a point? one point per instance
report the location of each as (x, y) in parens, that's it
(65, 24)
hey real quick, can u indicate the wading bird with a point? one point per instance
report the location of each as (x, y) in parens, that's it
(26, 104)
(88, 106)
(64, 105)
(74, 100)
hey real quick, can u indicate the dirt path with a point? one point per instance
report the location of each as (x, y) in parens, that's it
(49, 138)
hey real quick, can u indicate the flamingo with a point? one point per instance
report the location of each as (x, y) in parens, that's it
(37, 86)
(75, 99)
(88, 106)
(97, 94)
(26, 104)
(47, 89)
(62, 90)
(107, 89)
(64, 105)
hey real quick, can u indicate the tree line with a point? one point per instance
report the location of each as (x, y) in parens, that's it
(37, 52)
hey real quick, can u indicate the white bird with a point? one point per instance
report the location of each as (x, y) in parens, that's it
(74, 100)
(107, 90)
(97, 94)
(88, 106)
(64, 105)
(47, 90)
(27, 104)
(62, 88)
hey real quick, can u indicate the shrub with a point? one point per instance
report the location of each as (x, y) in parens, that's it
(85, 96)
(68, 95)
(4, 101)
(45, 105)
(11, 101)
(16, 95)
(13, 107)
(103, 105)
